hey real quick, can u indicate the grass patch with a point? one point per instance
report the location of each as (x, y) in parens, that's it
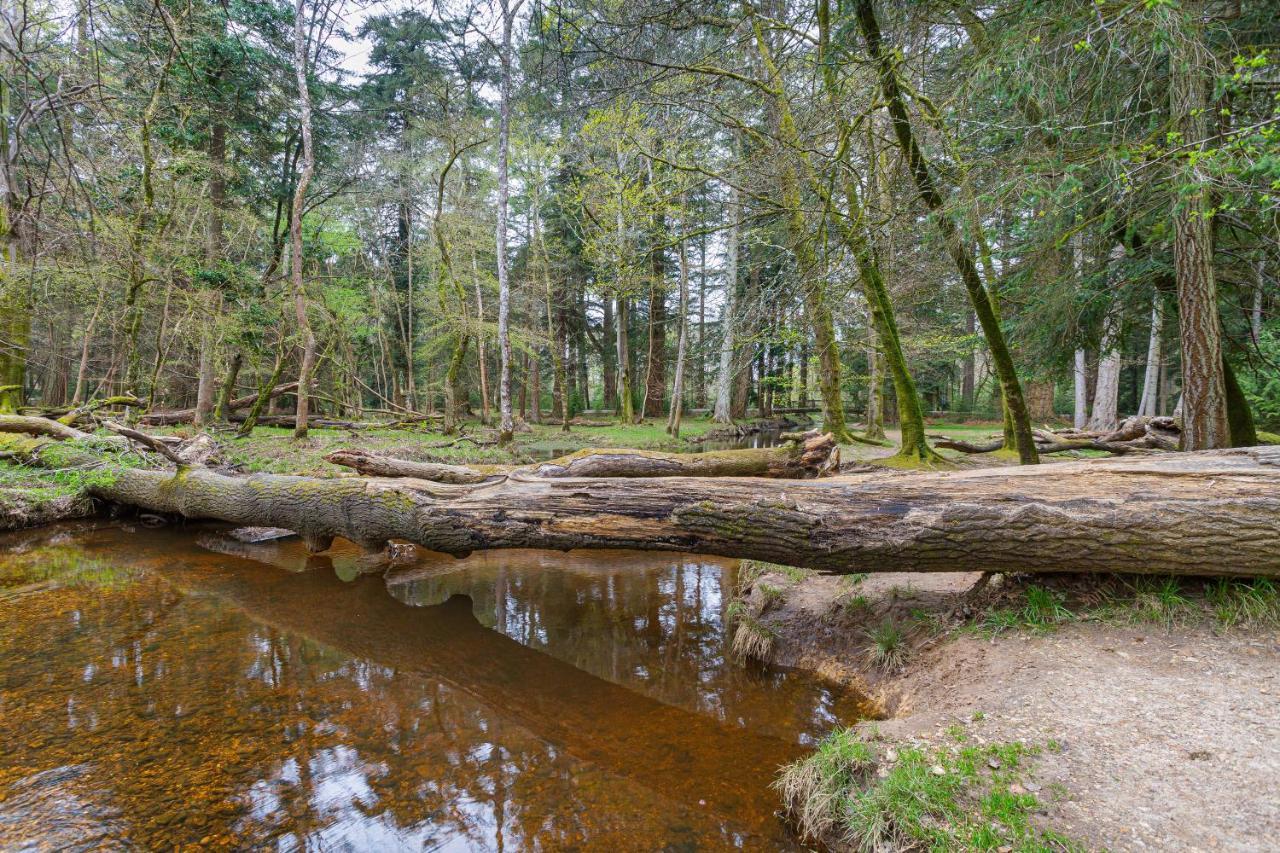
(888, 650)
(1166, 602)
(752, 640)
(971, 798)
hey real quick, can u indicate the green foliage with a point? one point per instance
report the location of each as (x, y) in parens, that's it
(1261, 385)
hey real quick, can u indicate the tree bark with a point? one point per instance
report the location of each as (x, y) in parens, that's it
(1205, 422)
(506, 425)
(1151, 376)
(1106, 393)
(1146, 515)
(677, 389)
(724, 371)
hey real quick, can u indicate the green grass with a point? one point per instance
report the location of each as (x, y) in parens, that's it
(888, 651)
(817, 789)
(966, 798)
(1166, 602)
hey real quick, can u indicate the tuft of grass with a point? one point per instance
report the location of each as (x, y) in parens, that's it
(815, 789)
(1044, 608)
(753, 640)
(888, 650)
(1244, 603)
(769, 596)
(1159, 601)
(1170, 601)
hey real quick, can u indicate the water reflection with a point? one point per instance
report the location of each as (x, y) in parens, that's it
(654, 625)
(209, 699)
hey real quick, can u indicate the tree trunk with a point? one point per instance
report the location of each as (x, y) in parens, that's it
(875, 386)
(1255, 315)
(918, 166)
(1204, 395)
(505, 423)
(1144, 515)
(295, 223)
(655, 377)
(810, 457)
(1106, 393)
(269, 391)
(724, 371)
(205, 392)
(626, 404)
(677, 388)
(1151, 376)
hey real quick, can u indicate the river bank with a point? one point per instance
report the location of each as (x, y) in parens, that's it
(1144, 708)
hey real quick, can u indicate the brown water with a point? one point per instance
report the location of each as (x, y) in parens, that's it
(173, 688)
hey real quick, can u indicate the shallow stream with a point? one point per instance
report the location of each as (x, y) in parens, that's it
(174, 687)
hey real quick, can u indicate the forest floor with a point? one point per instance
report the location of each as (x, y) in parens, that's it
(1147, 706)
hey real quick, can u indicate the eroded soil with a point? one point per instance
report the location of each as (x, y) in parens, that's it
(1152, 737)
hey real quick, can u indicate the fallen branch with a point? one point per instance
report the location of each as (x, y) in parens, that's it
(150, 442)
(386, 466)
(182, 416)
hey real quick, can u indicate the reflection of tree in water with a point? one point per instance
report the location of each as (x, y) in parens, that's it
(198, 724)
(652, 623)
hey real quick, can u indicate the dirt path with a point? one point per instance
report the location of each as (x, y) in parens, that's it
(1153, 739)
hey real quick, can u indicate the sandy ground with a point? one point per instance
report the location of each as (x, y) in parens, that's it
(1153, 739)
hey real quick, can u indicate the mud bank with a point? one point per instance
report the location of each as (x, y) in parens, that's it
(1155, 724)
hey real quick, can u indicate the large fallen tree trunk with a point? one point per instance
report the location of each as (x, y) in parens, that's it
(183, 416)
(1195, 513)
(806, 457)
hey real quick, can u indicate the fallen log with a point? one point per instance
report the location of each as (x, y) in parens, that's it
(34, 425)
(1135, 434)
(182, 416)
(806, 457)
(334, 423)
(386, 466)
(1204, 513)
(1213, 512)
